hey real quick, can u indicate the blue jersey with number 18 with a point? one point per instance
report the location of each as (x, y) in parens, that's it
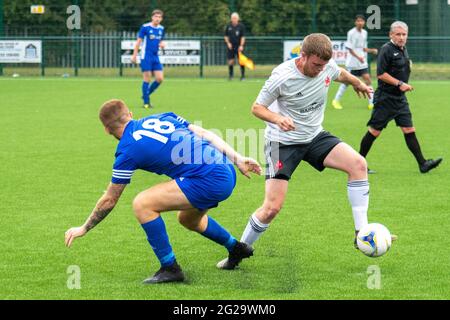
(163, 144)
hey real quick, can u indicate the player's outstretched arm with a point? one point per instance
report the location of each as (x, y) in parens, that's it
(244, 164)
(360, 87)
(103, 207)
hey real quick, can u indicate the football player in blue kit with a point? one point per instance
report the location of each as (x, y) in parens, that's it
(151, 36)
(200, 165)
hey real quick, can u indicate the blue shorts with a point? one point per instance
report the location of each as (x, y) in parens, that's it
(151, 64)
(205, 192)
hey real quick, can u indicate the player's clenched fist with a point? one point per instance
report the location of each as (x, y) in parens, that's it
(73, 233)
(285, 123)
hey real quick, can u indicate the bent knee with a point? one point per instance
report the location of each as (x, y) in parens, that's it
(374, 132)
(137, 204)
(142, 206)
(359, 165)
(408, 130)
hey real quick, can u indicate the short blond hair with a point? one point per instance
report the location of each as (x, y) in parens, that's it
(318, 44)
(114, 113)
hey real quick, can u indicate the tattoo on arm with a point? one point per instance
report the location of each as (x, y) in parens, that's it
(105, 205)
(97, 216)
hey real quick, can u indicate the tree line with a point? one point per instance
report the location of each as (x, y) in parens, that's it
(195, 17)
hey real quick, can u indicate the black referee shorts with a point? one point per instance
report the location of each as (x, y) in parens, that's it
(360, 72)
(233, 53)
(283, 159)
(389, 107)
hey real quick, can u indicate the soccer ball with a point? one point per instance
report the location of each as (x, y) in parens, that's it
(374, 240)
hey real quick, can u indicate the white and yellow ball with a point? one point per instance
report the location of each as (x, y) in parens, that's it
(374, 240)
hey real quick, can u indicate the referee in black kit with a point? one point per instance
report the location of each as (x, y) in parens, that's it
(390, 103)
(235, 40)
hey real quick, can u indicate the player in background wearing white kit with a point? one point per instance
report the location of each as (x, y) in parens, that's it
(356, 61)
(292, 103)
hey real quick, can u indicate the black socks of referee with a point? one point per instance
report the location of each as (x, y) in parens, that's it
(411, 142)
(414, 147)
(366, 144)
(231, 71)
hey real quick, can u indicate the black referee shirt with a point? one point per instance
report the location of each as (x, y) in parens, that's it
(395, 62)
(235, 33)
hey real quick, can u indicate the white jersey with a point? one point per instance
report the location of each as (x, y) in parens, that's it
(292, 94)
(357, 41)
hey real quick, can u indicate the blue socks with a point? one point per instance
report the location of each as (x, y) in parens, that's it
(148, 89)
(145, 94)
(153, 87)
(159, 241)
(218, 234)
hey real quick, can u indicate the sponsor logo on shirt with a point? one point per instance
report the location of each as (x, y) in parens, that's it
(312, 107)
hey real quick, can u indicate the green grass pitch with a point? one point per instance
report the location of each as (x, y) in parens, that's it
(56, 162)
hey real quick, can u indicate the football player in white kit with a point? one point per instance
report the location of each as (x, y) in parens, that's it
(292, 103)
(356, 61)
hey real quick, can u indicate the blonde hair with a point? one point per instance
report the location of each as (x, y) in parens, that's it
(318, 44)
(114, 113)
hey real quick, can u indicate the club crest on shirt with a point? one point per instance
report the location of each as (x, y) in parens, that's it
(327, 82)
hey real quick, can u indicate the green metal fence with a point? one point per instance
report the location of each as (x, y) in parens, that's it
(101, 55)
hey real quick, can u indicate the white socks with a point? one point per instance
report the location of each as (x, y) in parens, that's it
(253, 230)
(371, 97)
(340, 92)
(358, 195)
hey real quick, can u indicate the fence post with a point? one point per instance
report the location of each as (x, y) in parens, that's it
(120, 56)
(42, 57)
(1, 31)
(397, 9)
(314, 15)
(201, 56)
(232, 5)
(77, 54)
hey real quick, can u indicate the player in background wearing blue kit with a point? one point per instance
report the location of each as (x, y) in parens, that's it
(151, 36)
(200, 165)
